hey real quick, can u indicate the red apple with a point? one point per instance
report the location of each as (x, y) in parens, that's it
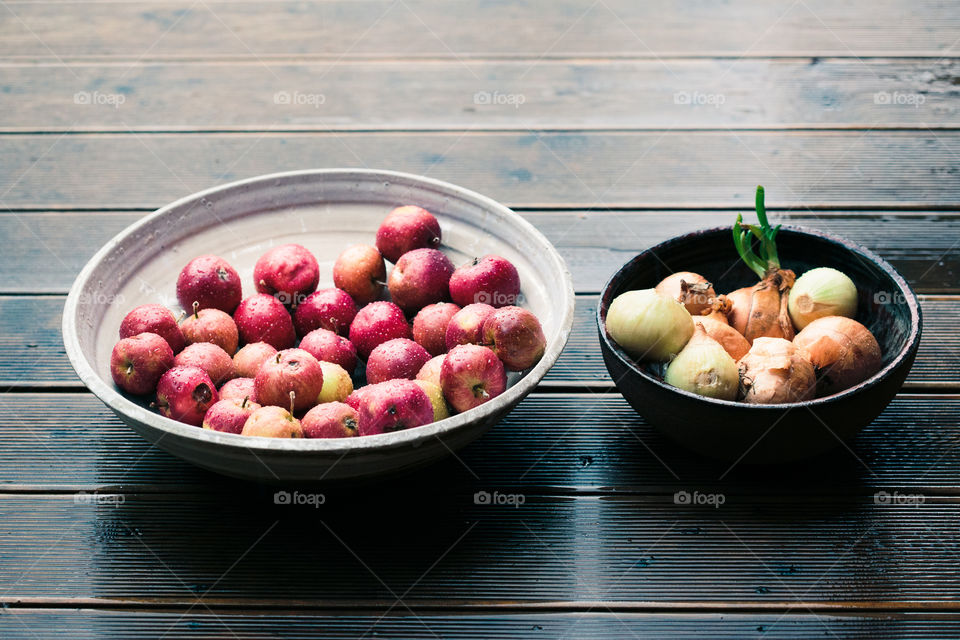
(185, 394)
(215, 361)
(251, 357)
(470, 376)
(337, 384)
(153, 318)
(272, 422)
(491, 280)
(430, 326)
(516, 336)
(137, 362)
(291, 370)
(238, 388)
(327, 346)
(465, 325)
(331, 420)
(331, 309)
(353, 400)
(392, 406)
(211, 325)
(375, 324)
(289, 273)
(405, 229)
(361, 273)
(397, 358)
(440, 409)
(430, 372)
(229, 416)
(263, 318)
(211, 282)
(419, 278)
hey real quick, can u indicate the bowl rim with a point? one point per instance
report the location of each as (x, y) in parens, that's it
(909, 349)
(119, 403)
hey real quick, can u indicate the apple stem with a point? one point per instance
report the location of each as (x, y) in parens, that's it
(293, 396)
(196, 309)
(277, 360)
(183, 314)
(243, 405)
(129, 369)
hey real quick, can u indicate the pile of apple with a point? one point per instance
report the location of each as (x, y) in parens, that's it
(234, 365)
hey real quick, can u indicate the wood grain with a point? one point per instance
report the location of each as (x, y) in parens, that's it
(587, 170)
(552, 444)
(241, 547)
(800, 169)
(48, 249)
(379, 28)
(600, 624)
(383, 95)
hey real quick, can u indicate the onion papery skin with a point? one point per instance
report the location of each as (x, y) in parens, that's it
(703, 367)
(727, 337)
(842, 350)
(690, 289)
(760, 311)
(819, 293)
(774, 371)
(647, 325)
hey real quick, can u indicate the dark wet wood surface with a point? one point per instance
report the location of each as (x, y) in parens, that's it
(610, 126)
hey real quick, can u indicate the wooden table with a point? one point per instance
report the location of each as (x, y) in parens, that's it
(610, 125)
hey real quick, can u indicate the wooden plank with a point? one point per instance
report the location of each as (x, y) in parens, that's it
(48, 249)
(590, 170)
(381, 95)
(32, 353)
(600, 624)
(241, 547)
(550, 444)
(131, 30)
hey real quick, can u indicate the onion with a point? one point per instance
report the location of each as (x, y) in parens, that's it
(705, 368)
(819, 293)
(842, 350)
(728, 337)
(689, 289)
(760, 311)
(647, 325)
(774, 372)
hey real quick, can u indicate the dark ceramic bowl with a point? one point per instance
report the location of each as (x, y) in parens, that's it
(767, 433)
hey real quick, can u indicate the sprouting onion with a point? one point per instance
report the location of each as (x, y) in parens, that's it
(761, 310)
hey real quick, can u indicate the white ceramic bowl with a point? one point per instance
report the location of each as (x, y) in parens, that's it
(326, 211)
